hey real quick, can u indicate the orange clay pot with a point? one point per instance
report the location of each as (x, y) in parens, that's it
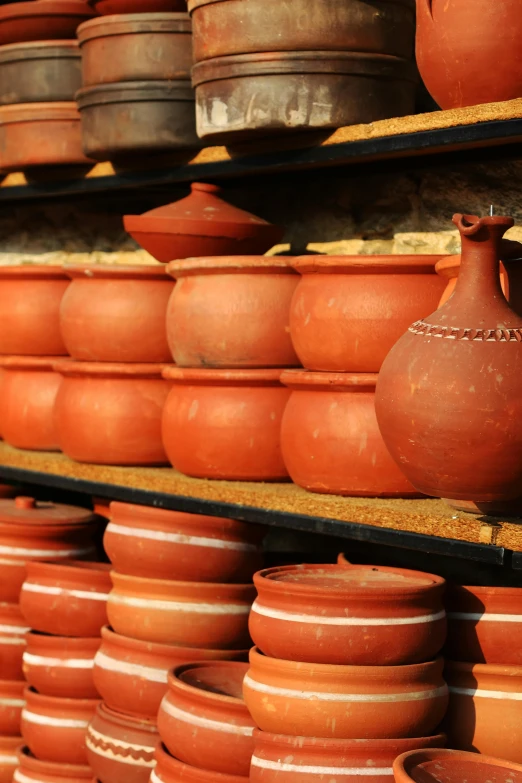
(356, 615)
(35, 771)
(170, 770)
(344, 702)
(9, 757)
(329, 418)
(13, 628)
(182, 546)
(232, 312)
(27, 396)
(110, 414)
(189, 614)
(131, 675)
(116, 313)
(453, 766)
(54, 729)
(66, 599)
(60, 665)
(12, 701)
(348, 311)
(30, 297)
(203, 719)
(225, 424)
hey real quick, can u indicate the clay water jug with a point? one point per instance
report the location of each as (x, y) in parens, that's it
(449, 395)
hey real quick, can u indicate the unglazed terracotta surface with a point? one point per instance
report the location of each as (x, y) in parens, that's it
(13, 628)
(60, 665)
(35, 771)
(12, 701)
(170, 770)
(452, 766)
(8, 757)
(41, 20)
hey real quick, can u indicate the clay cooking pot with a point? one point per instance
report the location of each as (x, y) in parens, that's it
(39, 71)
(170, 770)
(452, 766)
(61, 666)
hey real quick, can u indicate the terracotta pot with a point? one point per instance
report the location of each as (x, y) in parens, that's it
(66, 599)
(30, 299)
(125, 42)
(39, 71)
(41, 20)
(60, 665)
(36, 530)
(182, 546)
(27, 396)
(170, 770)
(110, 414)
(203, 719)
(13, 628)
(201, 224)
(137, 6)
(348, 311)
(101, 507)
(203, 439)
(131, 675)
(121, 747)
(231, 312)
(432, 393)
(280, 759)
(12, 702)
(451, 766)
(8, 757)
(54, 729)
(344, 702)
(116, 313)
(356, 615)
(189, 614)
(329, 418)
(34, 771)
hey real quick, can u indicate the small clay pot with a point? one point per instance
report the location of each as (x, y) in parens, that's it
(27, 396)
(202, 439)
(107, 7)
(453, 766)
(348, 311)
(189, 614)
(54, 729)
(30, 299)
(12, 702)
(231, 312)
(344, 702)
(35, 771)
(13, 628)
(66, 599)
(181, 546)
(39, 71)
(329, 418)
(41, 20)
(131, 675)
(203, 719)
(60, 665)
(121, 747)
(170, 770)
(110, 414)
(114, 313)
(9, 757)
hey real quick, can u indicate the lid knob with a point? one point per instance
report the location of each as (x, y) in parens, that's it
(24, 502)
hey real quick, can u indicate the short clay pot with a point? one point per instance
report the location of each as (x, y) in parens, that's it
(203, 719)
(107, 7)
(131, 675)
(170, 770)
(60, 665)
(348, 311)
(110, 414)
(27, 396)
(344, 702)
(30, 297)
(39, 71)
(54, 729)
(13, 628)
(8, 757)
(453, 766)
(12, 702)
(189, 614)
(121, 747)
(351, 615)
(114, 313)
(202, 439)
(32, 770)
(42, 20)
(329, 418)
(181, 546)
(66, 599)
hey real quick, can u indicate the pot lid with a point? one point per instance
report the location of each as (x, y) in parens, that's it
(368, 265)
(35, 271)
(76, 369)
(116, 272)
(223, 377)
(329, 381)
(44, 363)
(122, 92)
(349, 578)
(44, 8)
(29, 511)
(441, 765)
(38, 112)
(215, 265)
(39, 50)
(220, 679)
(125, 24)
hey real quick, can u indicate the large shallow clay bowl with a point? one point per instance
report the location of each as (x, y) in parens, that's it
(182, 546)
(344, 702)
(357, 615)
(114, 313)
(12, 701)
(13, 628)
(42, 20)
(39, 71)
(131, 674)
(32, 770)
(329, 418)
(30, 299)
(203, 439)
(170, 770)
(231, 312)
(202, 225)
(348, 311)
(66, 599)
(9, 757)
(121, 747)
(110, 414)
(107, 7)
(60, 665)
(189, 614)
(203, 719)
(453, 766)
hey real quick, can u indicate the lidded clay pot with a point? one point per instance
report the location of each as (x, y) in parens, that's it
(39, 71)
(42, 20)
(350, 615)
(448, 422)
(12, 701)
(453, 766)
(330, 417)
(61, 665)
(170, 770)
(13, 628)
(203, 719)
(9, 757)
(35, 771)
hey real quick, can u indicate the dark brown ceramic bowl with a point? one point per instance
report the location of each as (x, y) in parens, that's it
(39, 71)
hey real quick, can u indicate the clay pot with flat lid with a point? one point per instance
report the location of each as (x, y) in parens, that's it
(171, 770)
(13, 628)
(453, 766)
(32, 770)
(42, 20)
(39, 71)
(109, 7)
(9, 757)
(11, 703)
(329, 418)
(201, 224)
(113, 313)
(231, 312)
(61, 665)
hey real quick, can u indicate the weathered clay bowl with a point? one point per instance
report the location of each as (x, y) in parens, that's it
(13, 628)
(42, 20)
(171, 770)
(39, 71)
(12, 702)
(107, 7)
(453, 766)
(9, 757)
(32, 770)
(60, 665)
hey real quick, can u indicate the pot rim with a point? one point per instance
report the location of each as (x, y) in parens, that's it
(39, 50)
(34, 271)
(52, 768)
(79, 517)
(194, 4)
(500, 669)
(49, 8)
(484, 590)
(108, 634)
(133, 24)
(60, 644)
(334, 744)
(201, 227)
(11, 743)
(67, 704)
(12, 686)
(124, 92)
(215, 265)
(127, 721)
(309, 380)
(404, 764)
(211, 377)
(50, 111)
(201, 694)
(116, 272)
(98, 574)
(187, 772)
(76, 369)
(448, 267)
(371, 264)
(43, 363)
(120, 580)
